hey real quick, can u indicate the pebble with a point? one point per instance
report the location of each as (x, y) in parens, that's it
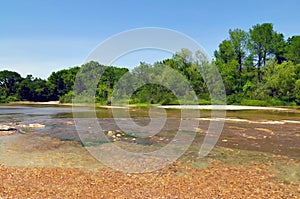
(110, 133)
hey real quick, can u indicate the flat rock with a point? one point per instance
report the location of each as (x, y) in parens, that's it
(7, 128)
(4, 128)
(34, 125)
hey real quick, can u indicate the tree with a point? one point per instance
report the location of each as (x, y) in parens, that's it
(225, 54)
(239, 40)
(107, 83)
(9, 81)
(293, 49)
(62, 82)
(230, 58)
(260, 43)
(278, 48)
(280, 80)
(297, 91)
(34, 89)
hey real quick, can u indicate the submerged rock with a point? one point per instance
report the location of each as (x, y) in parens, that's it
(14, 128)
(110, 133)
(34, 125)
(119, 135)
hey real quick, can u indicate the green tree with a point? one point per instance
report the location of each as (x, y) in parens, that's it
(228, 65)
(239, 40)
(297, 91)
(225, 54)
(62, 82)
(280, 80)
(9, 80)
(107, 83)
(260, 44)
(278, 48)
(34, 89)
(293, 49)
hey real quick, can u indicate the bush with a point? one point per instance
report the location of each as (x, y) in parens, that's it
(248, 102)
(269, 102)
(204, 102)
(67, 98)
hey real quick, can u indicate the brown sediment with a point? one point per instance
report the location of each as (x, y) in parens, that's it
(218, 180)
(225, 173)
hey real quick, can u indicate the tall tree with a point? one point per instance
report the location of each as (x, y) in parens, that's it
(225, 54)
(293, 49)
(260, 43)
(279, 80)
(278, 48)
(9, 81)
(230, 59)
(61, 82)
(239, 39)
(34, 89)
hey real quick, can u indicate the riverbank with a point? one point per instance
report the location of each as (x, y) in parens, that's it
(57, 103)
(222, 107)
(35, 103)
(192, 107)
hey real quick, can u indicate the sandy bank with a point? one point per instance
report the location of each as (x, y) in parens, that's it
(35, 103)
(192, 107)
(222, 107)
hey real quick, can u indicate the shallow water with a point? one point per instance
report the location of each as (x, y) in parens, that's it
(58, 144)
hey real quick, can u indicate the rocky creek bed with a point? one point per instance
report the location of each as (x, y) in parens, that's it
(257, 156)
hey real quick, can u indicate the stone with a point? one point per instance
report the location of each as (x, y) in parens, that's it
(36, 125)
(110, 133)
(5, 128)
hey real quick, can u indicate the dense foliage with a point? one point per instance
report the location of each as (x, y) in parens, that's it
(258, 67)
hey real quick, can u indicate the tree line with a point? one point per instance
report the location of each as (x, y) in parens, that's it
(258, 67)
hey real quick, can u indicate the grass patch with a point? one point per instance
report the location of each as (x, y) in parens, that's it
(129, 135)
(238, 157)
(67, 139)
(91, 142)
(287, 173)
(145, 142)
(200, 164)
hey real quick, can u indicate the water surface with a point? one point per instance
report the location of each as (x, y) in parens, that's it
(58, 144)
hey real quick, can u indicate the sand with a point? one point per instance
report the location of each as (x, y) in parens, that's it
(200, 107)
(222, 107)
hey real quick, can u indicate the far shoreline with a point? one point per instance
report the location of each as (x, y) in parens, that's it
(191, 107)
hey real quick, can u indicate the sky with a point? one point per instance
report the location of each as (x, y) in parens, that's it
(41, 36)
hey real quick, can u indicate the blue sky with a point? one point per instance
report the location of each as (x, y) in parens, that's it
(41, 36)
